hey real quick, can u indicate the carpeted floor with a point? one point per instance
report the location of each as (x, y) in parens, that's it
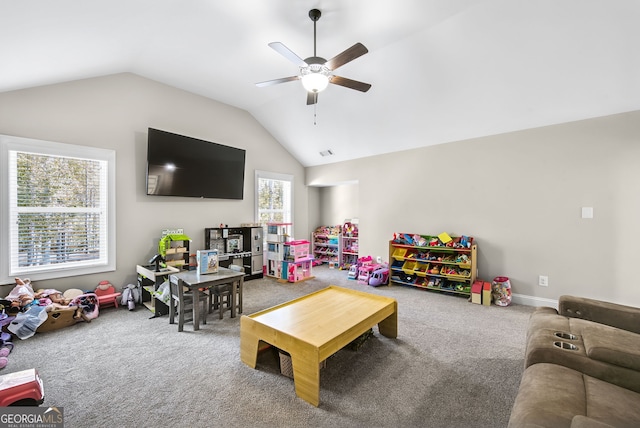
(454, 364)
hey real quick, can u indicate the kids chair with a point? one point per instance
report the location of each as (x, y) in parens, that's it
(219, 297)
(107, 295)
(184, 299)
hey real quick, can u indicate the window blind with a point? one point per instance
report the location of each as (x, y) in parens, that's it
(57, 209)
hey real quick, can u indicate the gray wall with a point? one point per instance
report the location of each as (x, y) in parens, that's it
(114, 112)
(338, 203)
(520, 195)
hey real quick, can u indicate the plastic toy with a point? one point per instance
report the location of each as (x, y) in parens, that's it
(353, 272)
(364, 273)
(465, 242)
(379, 276)
(419, 241)
(364, 261)
(23, 388)
(107, 294)
(463, 258)
(350, 229)
(501, 291)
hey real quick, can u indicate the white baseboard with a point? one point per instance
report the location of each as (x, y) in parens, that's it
(523, 299)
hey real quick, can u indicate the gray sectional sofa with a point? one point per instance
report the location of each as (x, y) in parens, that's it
(582, 367)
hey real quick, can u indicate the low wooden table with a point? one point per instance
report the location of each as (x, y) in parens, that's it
(314, 327)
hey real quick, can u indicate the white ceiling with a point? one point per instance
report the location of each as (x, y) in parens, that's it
(441, 70)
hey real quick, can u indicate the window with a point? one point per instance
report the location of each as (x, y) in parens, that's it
(57, 205)
(274, 198)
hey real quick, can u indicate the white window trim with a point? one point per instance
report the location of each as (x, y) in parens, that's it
(8, 143)
(270, 176)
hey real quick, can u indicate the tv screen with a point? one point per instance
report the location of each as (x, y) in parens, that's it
(183, 166)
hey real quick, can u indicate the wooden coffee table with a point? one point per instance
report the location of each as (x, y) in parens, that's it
(314, 327)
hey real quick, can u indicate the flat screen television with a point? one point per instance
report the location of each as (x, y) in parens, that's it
(178, 165)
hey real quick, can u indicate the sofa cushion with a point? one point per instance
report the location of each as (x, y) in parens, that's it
(551, 396)
(612, 345)
(580, 421)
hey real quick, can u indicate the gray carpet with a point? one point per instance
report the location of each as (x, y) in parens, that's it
(454, 364)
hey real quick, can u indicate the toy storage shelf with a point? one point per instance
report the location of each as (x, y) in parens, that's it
(149, 280)
(325, 241)
(434, 265)
(349, 243)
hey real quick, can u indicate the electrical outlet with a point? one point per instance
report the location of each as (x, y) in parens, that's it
(543, 281)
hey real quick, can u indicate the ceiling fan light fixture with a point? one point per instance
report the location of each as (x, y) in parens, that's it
(316, 72)
(315, 78)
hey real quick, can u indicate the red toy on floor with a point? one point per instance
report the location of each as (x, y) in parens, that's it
(107, 295)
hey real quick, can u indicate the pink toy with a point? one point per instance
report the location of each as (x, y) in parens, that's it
(364, 273)
(379, 277)
(107, 294)
(22, 388)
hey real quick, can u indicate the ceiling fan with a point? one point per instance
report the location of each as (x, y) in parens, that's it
(316, 72)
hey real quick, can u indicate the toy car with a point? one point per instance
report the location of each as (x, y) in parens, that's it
(23, 388)
(379, 277)
(353, 272)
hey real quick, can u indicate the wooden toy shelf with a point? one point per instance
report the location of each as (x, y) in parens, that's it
(434, 267)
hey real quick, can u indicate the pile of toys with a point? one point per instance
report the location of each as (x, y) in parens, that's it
(326, 240)
(365, 271)
(350, 230)
(328, 230)
(351, 246)
(442, 240)
(455, 271)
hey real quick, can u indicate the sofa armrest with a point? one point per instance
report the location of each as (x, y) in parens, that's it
(601, 312)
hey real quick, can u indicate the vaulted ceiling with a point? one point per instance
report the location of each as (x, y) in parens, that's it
(440, 70)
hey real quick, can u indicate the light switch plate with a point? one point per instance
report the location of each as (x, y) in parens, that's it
(587, 212)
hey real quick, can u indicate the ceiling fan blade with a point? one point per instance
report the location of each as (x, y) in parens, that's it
(351, 84)
(312, 98)
(348, 55)
(276, 81)
(288, 54)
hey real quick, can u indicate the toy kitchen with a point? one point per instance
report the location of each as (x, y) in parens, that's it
(239, 248)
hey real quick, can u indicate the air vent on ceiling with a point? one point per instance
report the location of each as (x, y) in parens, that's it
(326, 153)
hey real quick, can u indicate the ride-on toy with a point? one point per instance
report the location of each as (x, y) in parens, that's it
(23, 388)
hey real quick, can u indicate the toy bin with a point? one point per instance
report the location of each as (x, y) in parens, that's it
(421, 269)
(454, 272)
(409, 267)
(501, 291)
(463, 261)
(399, 253)
(397, 264)
(462, 242)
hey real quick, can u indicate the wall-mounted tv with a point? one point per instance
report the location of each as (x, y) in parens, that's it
(184, 166)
